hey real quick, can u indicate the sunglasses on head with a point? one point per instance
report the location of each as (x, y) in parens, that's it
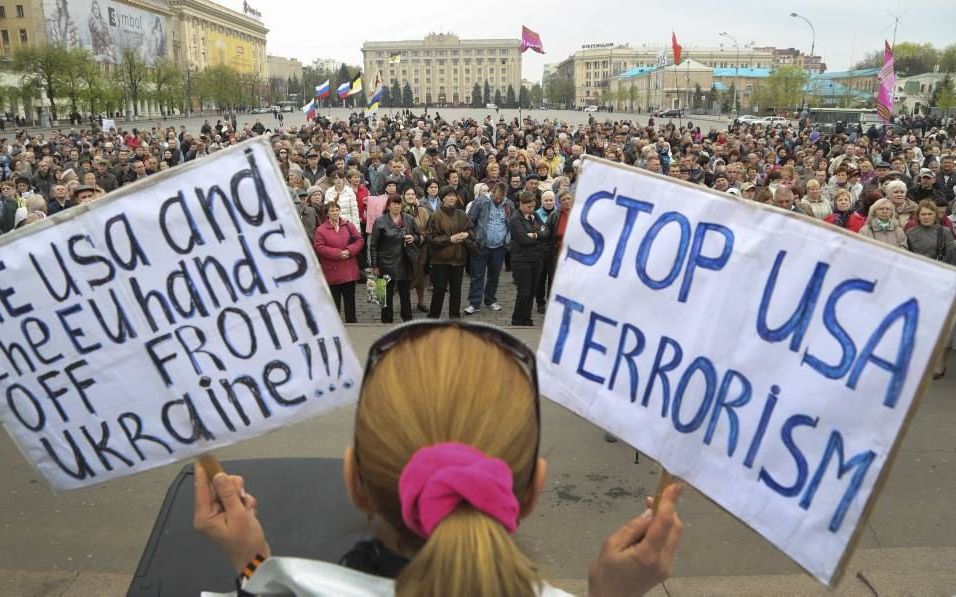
(518, 350)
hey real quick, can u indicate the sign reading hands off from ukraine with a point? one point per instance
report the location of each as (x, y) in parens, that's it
(182, 314)
(770, 361)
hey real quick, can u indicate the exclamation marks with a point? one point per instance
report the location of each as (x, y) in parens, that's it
(324, 353)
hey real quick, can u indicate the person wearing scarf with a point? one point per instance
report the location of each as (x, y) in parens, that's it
(842, 215)
(882, 226)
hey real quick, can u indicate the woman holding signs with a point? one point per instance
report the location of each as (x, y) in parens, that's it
(445, 460)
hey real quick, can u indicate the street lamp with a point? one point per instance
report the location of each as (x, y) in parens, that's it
(813, 45)
(736, 68)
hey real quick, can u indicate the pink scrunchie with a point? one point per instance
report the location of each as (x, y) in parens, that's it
(438, 478)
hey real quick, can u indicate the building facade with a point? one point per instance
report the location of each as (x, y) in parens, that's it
(794, 57)
(207, 34)
(21, 25)
(914, 94)
(442, 69)
(283, 68)
(592, 68)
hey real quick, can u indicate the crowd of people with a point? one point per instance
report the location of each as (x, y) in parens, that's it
(421, 201)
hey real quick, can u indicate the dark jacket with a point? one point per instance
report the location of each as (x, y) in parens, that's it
(386, 243)
(926, 240)
(523, 248)
(8, 214)
(444, 222)
(108, 181)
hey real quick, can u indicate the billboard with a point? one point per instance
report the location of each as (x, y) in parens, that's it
(230, 51)
(106, 28)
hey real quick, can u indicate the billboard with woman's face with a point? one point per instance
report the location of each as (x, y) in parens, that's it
(106, 28)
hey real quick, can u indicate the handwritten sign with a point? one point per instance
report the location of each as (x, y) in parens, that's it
(108, 124)
(182, 314)
(769, 360)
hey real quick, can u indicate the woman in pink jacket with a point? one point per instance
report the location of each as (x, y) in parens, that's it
(338, 243)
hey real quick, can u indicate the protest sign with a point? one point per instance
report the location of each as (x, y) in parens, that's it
(770, 360)
(108, 124)
(178, 315)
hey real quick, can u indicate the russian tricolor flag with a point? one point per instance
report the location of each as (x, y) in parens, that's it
(309, 110)
(323, 90)
(343, 90)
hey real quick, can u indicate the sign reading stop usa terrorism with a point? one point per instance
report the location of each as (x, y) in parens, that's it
(770, 360)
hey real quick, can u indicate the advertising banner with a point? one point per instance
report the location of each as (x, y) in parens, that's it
(106, 28)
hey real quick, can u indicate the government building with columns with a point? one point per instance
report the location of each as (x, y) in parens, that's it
(442, 69)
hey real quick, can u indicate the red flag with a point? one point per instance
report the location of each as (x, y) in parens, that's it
(530, 39)
(676, 46)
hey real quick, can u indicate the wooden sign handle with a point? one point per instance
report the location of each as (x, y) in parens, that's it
(212, 466)
(666, 479)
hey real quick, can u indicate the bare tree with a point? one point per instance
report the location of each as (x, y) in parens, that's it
(133, 73)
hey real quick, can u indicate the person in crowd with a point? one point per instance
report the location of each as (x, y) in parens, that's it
(9, 204)
(490, 216)
(59, 199)
(338, 244)
(929, 237)
(341, 193)
(431, 201)
(904, 208)
(883, 225)
(424, 425)
(412, 207)
(783, 199)
(814, 203)
(547, 268)
(843, 215)
(394, 239)
(449, 232)
(529, 248)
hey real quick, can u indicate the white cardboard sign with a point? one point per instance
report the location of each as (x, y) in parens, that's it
(183, 314)
(769, 360)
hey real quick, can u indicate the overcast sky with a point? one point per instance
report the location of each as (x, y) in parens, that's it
(309, 29)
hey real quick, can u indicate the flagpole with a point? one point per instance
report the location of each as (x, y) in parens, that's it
(677, 93)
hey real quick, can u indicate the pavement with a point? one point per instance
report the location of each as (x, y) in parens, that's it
(88, 542)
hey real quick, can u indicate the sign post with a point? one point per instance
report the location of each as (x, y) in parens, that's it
(175, 316)
(770, 360)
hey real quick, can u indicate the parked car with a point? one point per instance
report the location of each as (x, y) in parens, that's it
(669, 113)
(750, 119)
(776, 121)
(491, 106)
(262, 110)
(590, 108)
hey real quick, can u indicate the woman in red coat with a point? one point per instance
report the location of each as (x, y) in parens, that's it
(842, 215)
(338, 244)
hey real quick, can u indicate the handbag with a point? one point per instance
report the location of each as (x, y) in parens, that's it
(411, 251)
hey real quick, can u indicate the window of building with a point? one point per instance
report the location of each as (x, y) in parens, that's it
(479, 52)
(3, 12)
(23, 36)
(504, 61)
(19, 10)
(5, 36)
(504, 70)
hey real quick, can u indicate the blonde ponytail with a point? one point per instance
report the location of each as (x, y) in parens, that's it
(449, 385)
(469, 553)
